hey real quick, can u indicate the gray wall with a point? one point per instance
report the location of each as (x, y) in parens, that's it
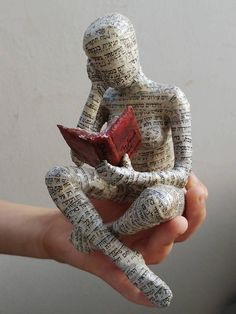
(43, 82)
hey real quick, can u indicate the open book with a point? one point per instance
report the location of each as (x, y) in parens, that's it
(121, 136)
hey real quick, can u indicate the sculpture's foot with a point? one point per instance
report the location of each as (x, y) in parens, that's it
(155, 289)
(143, 278)
(133, 265)
(80, 242)
(130, 262)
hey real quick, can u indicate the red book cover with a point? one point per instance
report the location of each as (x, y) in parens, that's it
(121, 136)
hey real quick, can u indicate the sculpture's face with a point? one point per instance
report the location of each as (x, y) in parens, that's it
(118, 67)
(112, 50)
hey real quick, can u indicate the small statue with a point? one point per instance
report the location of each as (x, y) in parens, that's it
(153, 179)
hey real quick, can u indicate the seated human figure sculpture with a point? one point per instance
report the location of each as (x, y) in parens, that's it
(153, 180)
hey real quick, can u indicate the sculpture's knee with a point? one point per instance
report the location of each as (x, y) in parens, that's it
(58, 175)
(64, 187)
(157, 205)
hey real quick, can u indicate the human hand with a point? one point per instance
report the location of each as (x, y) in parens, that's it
(154, 244)
(125, 174)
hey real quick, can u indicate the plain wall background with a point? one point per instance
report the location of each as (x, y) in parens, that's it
(43, 82)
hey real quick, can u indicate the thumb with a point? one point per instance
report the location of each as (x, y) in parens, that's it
(126, 162)
(161, 240)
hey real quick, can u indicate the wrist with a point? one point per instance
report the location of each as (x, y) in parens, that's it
(22, 229)
(147, 178)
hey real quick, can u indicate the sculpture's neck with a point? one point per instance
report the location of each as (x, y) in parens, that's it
(141, 78)
(140, 81)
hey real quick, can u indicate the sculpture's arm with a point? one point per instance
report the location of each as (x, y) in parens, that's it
(180, 122)
(92, 105)
(101, 118)
(94, 114)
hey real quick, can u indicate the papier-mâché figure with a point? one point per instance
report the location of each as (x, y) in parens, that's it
(153, 179)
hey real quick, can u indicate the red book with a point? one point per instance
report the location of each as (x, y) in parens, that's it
(121, 136)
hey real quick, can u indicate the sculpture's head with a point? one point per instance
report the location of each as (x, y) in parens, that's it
(111, 46)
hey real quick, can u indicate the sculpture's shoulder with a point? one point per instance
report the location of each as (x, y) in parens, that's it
(159, 89)
(150, 91)
(167, 90)
(149, 87)
(173, 95)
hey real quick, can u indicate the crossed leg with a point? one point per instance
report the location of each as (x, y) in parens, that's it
(69, 188)
(153, 206)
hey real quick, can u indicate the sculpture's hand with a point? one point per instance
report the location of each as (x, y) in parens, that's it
(75, 159)
(117, 175)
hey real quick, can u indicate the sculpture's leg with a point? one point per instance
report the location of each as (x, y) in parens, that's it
(67, 186)
(154, 205)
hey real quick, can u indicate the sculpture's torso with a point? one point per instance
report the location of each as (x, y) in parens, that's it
(150, 104)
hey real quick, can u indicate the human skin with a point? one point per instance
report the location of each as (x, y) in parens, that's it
(43, 233)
